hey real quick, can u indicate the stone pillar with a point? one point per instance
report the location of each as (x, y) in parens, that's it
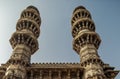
(68, 76)
(59, 74)
(78, 73)
(50, 74)
(40, 74)
(31, 75)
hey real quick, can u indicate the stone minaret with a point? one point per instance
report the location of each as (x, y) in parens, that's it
(86, 42)
(24, 43)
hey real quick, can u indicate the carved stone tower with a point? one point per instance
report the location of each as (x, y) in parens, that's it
(24, 43)
(86, 42)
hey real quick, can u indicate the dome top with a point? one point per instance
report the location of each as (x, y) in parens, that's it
(33, 7)
(79, 7)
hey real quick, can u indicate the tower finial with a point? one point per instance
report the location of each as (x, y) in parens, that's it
(33, 7)
(79, 7)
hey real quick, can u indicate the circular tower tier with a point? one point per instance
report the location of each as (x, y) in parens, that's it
(27, 29)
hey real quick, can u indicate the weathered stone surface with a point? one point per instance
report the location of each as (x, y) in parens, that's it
(85, 42)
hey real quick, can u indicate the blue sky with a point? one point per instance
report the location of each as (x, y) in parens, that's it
(55, 41)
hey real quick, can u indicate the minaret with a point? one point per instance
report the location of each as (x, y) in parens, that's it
(86, 42)
(24, 43)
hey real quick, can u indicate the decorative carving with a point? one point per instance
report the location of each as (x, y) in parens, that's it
(86, 42)
(24, 43)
